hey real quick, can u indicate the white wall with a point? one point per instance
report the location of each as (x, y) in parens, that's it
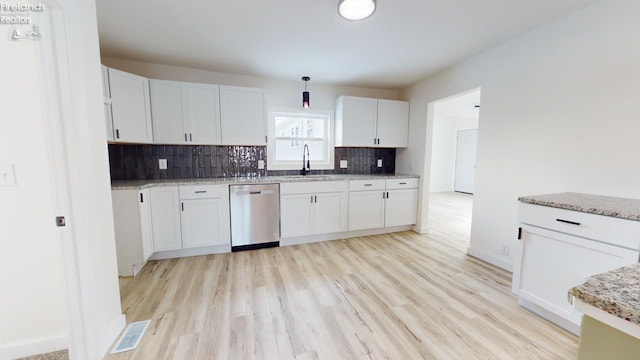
(279, 93)
(32, 305)
(443, 155)
(33, 316)
(559, 113)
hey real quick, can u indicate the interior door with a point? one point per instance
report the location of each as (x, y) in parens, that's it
(465, 160)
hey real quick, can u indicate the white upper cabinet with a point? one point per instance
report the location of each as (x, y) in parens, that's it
(106, 96)
(185, 113)
(130, 107)
(393, 123)
(242, 116)
(356, 121)
(371, 122)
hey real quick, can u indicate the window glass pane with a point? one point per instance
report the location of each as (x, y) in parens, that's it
(287, 150)
(299, 126)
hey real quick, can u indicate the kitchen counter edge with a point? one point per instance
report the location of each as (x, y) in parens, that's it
(144, 184)
(617, 207)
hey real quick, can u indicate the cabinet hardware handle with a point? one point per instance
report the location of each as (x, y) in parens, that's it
(403, 183)
(117, 134)
(568, 222)
(387, 194)
(182, 204)
(368, 184)
(200, 191)
(312, 199)
(519, 233)
(141, 198)
(315, 198)
(185, 137)
(190, 137)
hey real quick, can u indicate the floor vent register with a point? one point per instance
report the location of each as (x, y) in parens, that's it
(131, 337)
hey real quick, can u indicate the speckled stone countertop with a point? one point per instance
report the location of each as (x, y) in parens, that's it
(617, 292)
(594, 204)
(142, 184)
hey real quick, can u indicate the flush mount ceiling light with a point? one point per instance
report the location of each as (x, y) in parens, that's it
(356, 9)
(305, 93)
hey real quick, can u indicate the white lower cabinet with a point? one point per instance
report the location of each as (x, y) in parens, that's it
(165, 218)
(204, 215)
(560, 249)
(134, 243)
(382, 203)
(311, 208)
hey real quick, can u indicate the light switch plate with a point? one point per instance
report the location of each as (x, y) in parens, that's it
(162, 164)
(379, 162)
(260, 164)
(343, 164)
(7, 175)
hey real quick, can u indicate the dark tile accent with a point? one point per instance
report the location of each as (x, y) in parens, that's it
(130, 162)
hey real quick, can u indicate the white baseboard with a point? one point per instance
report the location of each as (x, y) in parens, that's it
(34, 347)
(207, 250)
(341, 235)
(490, 258)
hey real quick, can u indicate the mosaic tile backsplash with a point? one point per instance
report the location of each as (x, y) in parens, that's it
(131, 162)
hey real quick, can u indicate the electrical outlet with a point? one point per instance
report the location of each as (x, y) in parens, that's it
(7, 175)
(505, 249)
(260, 164)
(343, 164)
(162, 164)
(379, 162)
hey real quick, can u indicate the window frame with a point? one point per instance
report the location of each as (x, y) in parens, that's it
(272, 164)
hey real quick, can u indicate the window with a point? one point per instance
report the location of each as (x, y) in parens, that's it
(290, 130)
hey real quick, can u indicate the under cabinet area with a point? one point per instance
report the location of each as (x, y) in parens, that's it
(560, 249)
(371, 122)
(308, 208)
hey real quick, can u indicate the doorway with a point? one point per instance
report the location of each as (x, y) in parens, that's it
(453, 161)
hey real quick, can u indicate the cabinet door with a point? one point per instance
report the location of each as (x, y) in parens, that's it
(165, 218)
(296, 215)
(130, 107)
(356, 121)
(205, 222)
(553, 262)
(242, 116)
(366, 210)
(203, 113)
(330, 213)
(106, 94)
(127, 230)
(168, 112)
(401, 207)
(393, 123)
(146, 227)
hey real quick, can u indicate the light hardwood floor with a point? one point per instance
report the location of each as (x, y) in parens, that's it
(398, 296)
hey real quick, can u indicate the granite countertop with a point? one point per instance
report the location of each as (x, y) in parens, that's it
(616, 292)
(142, 184)
(594, 204)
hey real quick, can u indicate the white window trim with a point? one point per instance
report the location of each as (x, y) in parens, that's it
(271, 143)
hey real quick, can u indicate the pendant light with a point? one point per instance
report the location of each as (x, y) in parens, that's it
(356, 9)
(305, 93)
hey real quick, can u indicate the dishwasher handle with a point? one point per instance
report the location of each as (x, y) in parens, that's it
(259, 192)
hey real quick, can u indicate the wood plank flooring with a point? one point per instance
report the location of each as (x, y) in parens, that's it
(397, 296)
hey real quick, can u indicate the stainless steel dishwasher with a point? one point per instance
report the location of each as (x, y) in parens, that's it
(255, 216)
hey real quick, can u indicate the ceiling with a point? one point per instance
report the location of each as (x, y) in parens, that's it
(401, 43)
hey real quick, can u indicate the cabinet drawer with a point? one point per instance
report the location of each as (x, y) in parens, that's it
(203, 191)
(312, 187)
(619, 232)
(410, 183)
(366, 185)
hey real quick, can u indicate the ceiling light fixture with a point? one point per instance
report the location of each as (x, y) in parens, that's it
(356, 9)
(305, 93)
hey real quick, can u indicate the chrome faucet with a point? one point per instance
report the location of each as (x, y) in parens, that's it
(306, 165)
